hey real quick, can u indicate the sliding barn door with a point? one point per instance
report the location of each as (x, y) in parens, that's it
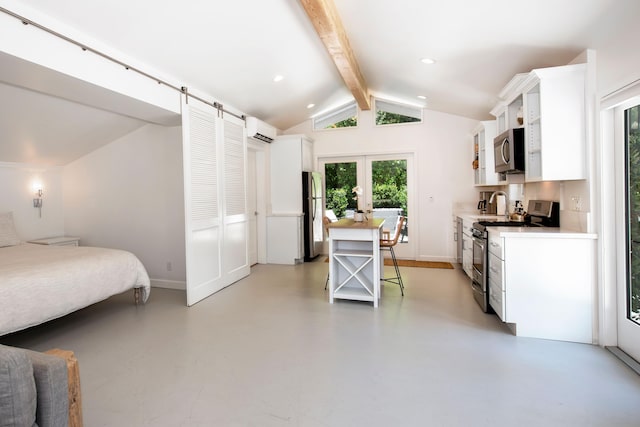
(235, 254)
(216, 220)
(203, 231)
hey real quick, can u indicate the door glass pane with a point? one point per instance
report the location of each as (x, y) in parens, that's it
(389, 194)
(633, 213)
(340, 179)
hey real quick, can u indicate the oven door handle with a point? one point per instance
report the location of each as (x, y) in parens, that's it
(476, 286)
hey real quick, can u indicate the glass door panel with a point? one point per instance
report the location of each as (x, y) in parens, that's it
(389, 196)
(341, 175)
(627, 118)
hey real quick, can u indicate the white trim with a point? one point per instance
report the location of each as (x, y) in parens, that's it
(611, 232)
(30, 166)
(621, 95)
(169, 284)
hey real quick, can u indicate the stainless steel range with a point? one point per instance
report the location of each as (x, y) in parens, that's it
(542, 213)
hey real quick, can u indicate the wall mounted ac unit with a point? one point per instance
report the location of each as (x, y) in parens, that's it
(260, 130)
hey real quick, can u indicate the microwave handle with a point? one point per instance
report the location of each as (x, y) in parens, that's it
(505, 144)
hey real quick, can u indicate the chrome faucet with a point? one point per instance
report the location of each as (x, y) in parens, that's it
(506, 202)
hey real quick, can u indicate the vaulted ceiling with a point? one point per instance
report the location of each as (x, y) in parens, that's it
(232, 50)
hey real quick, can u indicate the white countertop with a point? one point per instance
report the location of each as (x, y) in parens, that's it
(526, 232)
(546, 232)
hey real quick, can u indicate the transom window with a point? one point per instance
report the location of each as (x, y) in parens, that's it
(341, 117)
(388, 113)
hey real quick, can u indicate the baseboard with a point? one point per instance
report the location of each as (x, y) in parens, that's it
(624, 357)
(168, 284)
(437, 259)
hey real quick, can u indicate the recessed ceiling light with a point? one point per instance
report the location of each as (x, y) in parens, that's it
(278, 78)
(311, 105)
(422, 97)
(428, 61)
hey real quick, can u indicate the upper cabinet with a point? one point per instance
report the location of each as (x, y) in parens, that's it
(550, 104)
(484, 165)
(290, 156)
(555, 128)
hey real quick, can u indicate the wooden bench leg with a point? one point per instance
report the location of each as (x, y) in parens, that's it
(75, 397)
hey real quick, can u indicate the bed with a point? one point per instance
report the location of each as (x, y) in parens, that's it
(39, 283)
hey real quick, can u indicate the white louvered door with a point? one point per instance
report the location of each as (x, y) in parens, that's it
(235, 255)
(216, 221)
(203, 231)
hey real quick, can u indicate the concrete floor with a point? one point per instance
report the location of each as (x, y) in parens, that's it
(270, 351)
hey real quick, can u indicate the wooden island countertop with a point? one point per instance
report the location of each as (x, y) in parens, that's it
(371, 223)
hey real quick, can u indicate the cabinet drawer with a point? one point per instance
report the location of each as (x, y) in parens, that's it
(496, 271)
(497, 300)
(467, 224)
(496, 245)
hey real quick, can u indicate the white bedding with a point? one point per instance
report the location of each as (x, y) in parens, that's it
(39, 283)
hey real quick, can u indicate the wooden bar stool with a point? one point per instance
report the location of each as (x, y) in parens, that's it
(387, 244)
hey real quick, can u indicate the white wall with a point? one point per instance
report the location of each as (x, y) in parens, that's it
(129, 195)
(443, 156)
(16, 195)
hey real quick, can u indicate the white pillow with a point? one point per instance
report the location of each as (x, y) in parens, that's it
(8, 235)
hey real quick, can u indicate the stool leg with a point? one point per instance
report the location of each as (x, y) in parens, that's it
(395, 265)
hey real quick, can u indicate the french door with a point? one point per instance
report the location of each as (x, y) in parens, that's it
(387, 183)
(627, 117)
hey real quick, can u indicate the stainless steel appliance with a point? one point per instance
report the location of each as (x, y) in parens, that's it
(508, 149)
(484, 206)
(459, 240)
(312, 209)
(541, 213)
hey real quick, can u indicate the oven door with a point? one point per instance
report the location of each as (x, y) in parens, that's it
(479, 282)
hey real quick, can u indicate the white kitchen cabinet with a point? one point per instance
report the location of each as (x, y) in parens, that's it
(508, 109)
(495, 270)
(290, 155)
(483, 137)
(544, 284)
(285, 244)
(467, 247)
(555, 128)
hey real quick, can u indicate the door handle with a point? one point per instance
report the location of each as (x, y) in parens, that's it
(505, 144)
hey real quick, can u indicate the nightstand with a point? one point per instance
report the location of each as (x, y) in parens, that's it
(57, 241)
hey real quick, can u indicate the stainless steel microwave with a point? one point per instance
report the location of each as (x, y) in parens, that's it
(508, 150)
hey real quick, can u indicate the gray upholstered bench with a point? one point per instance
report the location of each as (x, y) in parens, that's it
(34, 389)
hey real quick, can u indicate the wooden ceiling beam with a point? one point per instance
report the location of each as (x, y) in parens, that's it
(328, 25)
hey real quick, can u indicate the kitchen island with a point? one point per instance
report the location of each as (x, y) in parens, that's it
(354, 260)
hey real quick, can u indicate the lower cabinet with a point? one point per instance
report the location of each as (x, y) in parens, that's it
(544, 286)
(467, 247)
(285, 240)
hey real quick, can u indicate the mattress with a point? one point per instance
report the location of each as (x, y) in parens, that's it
(39, 283)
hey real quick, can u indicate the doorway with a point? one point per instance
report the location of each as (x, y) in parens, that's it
(387, 187)
(256, 202)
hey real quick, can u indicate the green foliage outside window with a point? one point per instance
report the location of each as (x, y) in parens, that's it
(386, 118)
(337, 201)
(389, 188)
(346, 123)
(634, 208)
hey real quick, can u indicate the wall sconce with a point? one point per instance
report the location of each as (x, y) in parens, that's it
(37, 202)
